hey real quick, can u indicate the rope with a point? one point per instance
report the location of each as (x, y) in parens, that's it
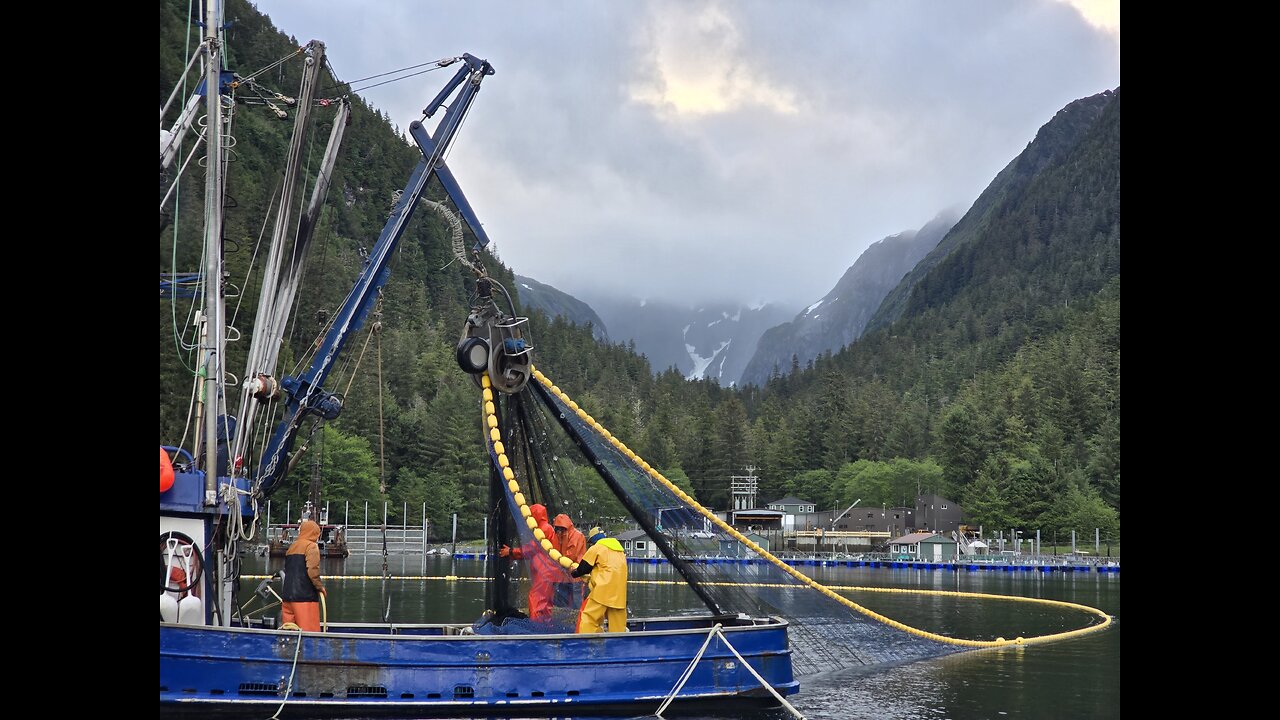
(386, 571)
(716, 631)
(179, 343)
(235, 518)
(382, 437)
(756, 675)
(801, 577)
(455, 230)
(688, 672)
(351, 380)
(289, 688)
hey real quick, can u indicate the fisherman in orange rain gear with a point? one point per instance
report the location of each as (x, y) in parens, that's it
(543, 570)
(572, 544)
(302, 586)
(568, 539)
(608, 599)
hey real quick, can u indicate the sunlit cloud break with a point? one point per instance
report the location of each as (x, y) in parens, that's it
(1102, 14)
(701, 67)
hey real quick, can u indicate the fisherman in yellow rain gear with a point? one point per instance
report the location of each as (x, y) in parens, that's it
(608, 585)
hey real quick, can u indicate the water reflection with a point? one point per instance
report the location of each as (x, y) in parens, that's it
(1069, 679)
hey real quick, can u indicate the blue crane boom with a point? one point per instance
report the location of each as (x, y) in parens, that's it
(304, 394)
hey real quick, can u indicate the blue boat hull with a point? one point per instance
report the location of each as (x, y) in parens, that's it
(430, 670)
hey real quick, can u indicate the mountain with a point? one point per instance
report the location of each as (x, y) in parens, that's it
(998, 383)
(714, 341)
(1002, 362)
(841, 315)
(1056, 140)
(553, 302)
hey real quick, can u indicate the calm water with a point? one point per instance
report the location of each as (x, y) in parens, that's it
(1077, 678)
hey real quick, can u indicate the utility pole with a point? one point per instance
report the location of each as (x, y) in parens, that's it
(454, 549)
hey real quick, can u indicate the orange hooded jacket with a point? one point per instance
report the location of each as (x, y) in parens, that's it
(572, 543)
(302, 574)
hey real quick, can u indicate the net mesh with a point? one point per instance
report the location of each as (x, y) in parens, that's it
(568, 465)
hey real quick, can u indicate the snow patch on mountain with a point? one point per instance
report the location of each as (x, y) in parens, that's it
(700, 364)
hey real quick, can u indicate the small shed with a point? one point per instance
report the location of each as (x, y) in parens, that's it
(926, 546)
(735, 549)
(636, 544)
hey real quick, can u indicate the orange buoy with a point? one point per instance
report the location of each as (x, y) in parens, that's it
(166, 471)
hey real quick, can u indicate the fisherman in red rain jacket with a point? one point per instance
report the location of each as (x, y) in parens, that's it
(543, 570)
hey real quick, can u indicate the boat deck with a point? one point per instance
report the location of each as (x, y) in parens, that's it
(370, 669)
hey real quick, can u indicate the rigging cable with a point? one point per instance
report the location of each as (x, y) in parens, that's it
(351, 380)
(177, 334)
(293, 330)
(273, 65)
(177, 176)
(314, 347)
(191, 406)
(296, 301)
(190, 59)
(388, 82)
(382, 437)
(441, 63)
(386, 571)
(257, 246)
(466, 111)
(179, 344)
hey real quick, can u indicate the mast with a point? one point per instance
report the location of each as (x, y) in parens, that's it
(278, 288)
(214, 311)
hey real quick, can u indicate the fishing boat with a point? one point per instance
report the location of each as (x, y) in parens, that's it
(332, 542)
(754, 628)
(216, 658)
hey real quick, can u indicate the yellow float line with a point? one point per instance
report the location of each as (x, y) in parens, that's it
(805, 579)
(495, 438)
(781, 586)
(450, 578)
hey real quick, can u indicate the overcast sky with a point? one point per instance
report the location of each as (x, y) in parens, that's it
(749, 151)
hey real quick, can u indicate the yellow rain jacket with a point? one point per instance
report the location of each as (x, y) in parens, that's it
(608, 573)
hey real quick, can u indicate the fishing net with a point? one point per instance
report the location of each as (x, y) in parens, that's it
(531, 592)
(570, 465)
